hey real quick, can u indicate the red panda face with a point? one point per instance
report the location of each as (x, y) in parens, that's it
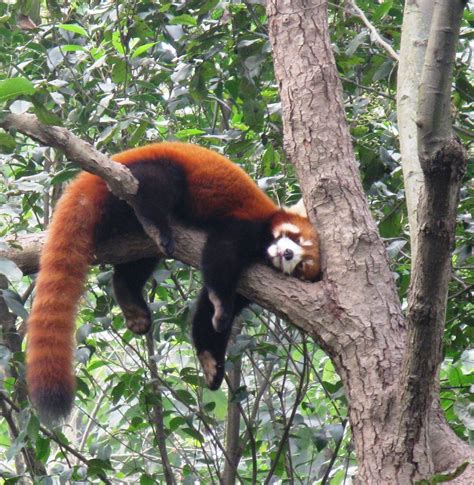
(295, 248)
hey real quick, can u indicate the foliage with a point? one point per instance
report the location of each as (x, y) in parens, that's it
(123, 73)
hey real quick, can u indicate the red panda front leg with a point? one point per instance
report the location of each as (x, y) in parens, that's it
(210, 345)
(222, 265)
(128, 281)
(161, 189)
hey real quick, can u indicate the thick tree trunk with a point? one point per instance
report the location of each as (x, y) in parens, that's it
(367, 338)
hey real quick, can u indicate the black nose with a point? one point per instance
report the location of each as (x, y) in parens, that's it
(288, 254)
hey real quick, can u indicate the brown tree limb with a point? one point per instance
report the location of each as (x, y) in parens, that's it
(434, 105)
(286, 296)
(157, 412)
(118, 177)
(232, 436)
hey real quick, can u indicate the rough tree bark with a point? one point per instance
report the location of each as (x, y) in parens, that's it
(368, 333)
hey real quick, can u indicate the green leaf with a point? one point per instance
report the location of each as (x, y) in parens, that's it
(188, 133)
(15, 87)
(33, 428)
(184, 19)
(194, 434)
(117, 392)
(147, 480)
(382, 10)
(97, 467)
(42, 448)
(72, 48)
(186, 397)
(46, 117)
(77, 29)
(119, 71)
(14, 303)
(7, 143)
(117, 43)
(104, 452)
(391, 226)
(10, 269)
(142, 49)
(64, 175)
(138, 134)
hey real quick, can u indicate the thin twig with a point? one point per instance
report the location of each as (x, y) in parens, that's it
(374, 34)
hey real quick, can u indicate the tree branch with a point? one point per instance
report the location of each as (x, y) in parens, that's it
(232, 437)
(374, 34)
(434, 106)
(283, 295)
(157, 412)
(372, 330)
(121, 182)
(119, 179)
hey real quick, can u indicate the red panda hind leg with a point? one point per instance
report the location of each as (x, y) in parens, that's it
(128, 281)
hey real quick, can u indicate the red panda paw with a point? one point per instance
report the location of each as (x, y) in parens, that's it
(137, 320)
(213, 370)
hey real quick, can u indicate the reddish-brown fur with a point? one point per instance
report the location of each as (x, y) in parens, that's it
(216, 185)
(63, 267)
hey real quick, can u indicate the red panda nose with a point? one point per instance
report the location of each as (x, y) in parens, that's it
(288, 254)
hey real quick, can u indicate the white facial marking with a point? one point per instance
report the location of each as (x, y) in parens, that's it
(285, 227)
(288, 227)
(272, 251)
(279, 249)
(306, 242)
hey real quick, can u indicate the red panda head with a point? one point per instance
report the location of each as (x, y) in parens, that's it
(295, 247)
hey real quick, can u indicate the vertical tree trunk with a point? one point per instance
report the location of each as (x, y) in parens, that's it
(368, 334)
(415, 31)
(443, 161)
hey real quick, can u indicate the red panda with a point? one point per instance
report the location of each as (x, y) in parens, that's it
(183, 182)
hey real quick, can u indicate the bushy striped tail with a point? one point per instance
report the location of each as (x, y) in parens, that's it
(64, 264)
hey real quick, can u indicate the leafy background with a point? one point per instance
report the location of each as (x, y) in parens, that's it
(120, 74)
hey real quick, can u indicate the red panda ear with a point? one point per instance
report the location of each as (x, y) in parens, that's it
(298, 209)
